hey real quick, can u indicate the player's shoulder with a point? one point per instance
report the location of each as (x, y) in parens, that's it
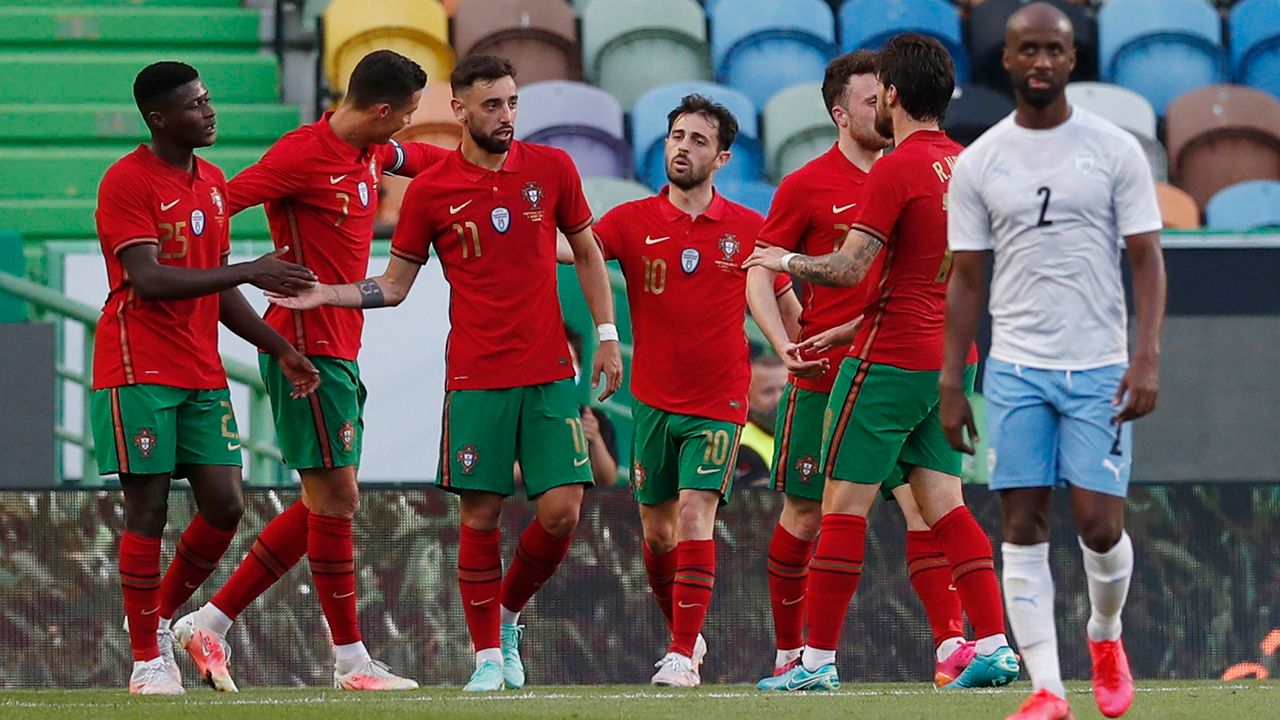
(1105, 132)
(631, 209)
(130, 171)
(991, 138)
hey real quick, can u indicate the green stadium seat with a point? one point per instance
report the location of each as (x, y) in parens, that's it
(63, 125)
(45, 219)
(80, 77)
(125, 3)
(67, 173)
(796, 129)
(606, 193)
(125, 28)
(630, 46)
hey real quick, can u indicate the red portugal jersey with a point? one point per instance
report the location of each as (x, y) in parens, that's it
(495, 235)
(688, 296)
(321, 194)
(905, 207)
(810, 214)
(160, 342)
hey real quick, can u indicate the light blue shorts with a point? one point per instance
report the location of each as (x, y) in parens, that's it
(1054, 426)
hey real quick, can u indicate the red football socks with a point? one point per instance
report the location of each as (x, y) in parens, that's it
(968, 551)
(691, 594)
(788, 576)
(480, 582)
(834, 572)
(333, 569)
(538, 554)
(662, 574)
(199, 549)
(279, 547)
(140, 584)
(930, 574)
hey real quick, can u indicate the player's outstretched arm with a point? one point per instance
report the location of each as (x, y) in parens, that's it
(966, 294)
(588, 261)
(240, 318)
(1140, 385)
(767, 310)
(845, 267)
(386, 290)
(152, 280)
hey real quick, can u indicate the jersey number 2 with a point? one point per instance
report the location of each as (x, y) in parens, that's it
(1044, 206)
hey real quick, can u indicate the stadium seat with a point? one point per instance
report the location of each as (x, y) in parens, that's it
(755, 194)
(973, 110)
(1247, 206)
(1178, 210)
(870, 23)
(83, 77)
(761, 46)
(129, 3)
(434, 121)
(606, 193)
(75, 172)
(985, 33)
(1161, 48)
(69, 125)
(797, 128)
(1255, 44)
(580, 119)
(1121, 106)
(37, 27)
(1157, 158)
(1222, 135)
(451, 7)
(649, 129)
(630, 46)
(58, 219)
(540, 37)
(417, 29)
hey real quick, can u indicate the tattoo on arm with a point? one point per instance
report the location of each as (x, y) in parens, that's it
(839, 268)
(370, 294)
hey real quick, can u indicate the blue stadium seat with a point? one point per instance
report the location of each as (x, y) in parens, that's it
(755, 194)
(630, 46)
(869, 23)
(1255, 44)
(763, 46)
(649, 128)
(580, 119)
(1161, 48)
(1246, 206)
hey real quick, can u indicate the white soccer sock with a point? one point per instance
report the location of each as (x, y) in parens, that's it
(813, 658)
(989, 644)
(947, 647)
(350, 656)
(1108, 573)
(211, 618)
(165, 623)
(493, 655)
(1028, 596)
(508, 617)
(782, 658)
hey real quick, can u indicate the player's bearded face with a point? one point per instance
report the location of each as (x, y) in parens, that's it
(188, 117)
(884, 120)
(491, 114)
(860, 98)
(1040, 63)
(692, 151)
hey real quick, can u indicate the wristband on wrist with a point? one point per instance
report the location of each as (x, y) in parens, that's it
(607, 332)
(786, 261)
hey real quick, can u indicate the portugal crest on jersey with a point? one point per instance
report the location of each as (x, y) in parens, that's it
(533, 194)
(217, 200)
(363, 189)
(501, 219)
(347, 435)
(468, 457)
(197, 221)
(689, 260)
(729, 246)
(807, 466)
(145, 441)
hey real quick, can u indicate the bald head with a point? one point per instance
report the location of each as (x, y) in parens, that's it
(1039, 53)
(1040, 17)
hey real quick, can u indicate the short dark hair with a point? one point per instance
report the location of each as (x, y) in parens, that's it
(858, 62)
(922, 71)
(159, 79)
(726, 123)
(476, 68)
(385, 76)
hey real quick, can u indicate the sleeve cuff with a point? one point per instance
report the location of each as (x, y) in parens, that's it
(135, 241)
(418, 259)
(579, 227)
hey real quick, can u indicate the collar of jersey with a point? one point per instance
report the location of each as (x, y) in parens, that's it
(671, 213)
(344, 150)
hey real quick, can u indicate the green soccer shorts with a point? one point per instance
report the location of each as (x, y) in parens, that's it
(672, 452)
(485, 432)
(325, 429)
(153, 429)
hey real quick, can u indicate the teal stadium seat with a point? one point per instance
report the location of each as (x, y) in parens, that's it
(126, 3)
(127, 28)
(870, 23)
(72, 125)
(754, 194)
(84, 77)
(1249, 205)
(1255, 44)
(761, 46)
(797, 128)
(630, 46)
(1161, 49)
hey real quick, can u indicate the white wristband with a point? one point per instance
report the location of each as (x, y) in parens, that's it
(607, 332)
(785, 262)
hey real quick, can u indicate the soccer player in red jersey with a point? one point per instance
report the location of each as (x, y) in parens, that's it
(681, 253)
(319, 184)
(160, 405)
(491, 210)
(883, 410)
(810, 213)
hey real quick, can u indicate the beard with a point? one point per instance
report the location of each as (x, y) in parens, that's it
(870, 138)
(492, 144)
(690, 178)
(1038, 98)
(884, 124)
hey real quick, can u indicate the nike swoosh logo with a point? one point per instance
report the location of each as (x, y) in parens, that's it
(233, 446)
(707, 471)
(792, 602)
(455, 210)
(686, 605)
(336, 596)
(581, 461)
(654, 241)
(475, 603)
(152, 611)
(164, 207)
(837, 209)
(335, 179)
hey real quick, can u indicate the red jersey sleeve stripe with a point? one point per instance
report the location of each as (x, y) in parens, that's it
(580, 226)
(408, 256)
(135, 241)
(884, 240)
(783, 289)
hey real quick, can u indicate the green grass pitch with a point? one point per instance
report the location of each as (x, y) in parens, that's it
(1167, 700)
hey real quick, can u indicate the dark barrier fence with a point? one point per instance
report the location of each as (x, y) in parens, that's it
(1205, 595)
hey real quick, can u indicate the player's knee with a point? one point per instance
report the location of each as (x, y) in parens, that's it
(661, 540)
(147, 515)
(226, 514)
(1101, 535)
(560, 521)
(1026, 529)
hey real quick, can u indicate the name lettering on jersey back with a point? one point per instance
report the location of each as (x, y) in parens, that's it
(944, 166)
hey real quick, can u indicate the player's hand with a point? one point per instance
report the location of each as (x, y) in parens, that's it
(801, 368)
(768, 257)
(1138, 390)
(608, 360)
(590, 426)
(274, 275)
(313, 297)
(957, 417)
(300, 373)
(828, 340)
